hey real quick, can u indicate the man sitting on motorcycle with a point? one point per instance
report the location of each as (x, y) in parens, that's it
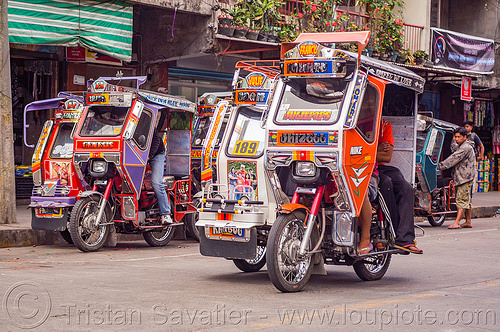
(397, 192)
(398, 195)
(157, 163)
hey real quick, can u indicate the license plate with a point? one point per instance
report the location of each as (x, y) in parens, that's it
(49, 212)
(227, 232)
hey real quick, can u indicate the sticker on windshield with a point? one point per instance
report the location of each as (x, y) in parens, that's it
(246, 148)
(304, 115)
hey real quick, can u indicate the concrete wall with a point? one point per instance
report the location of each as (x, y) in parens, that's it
(191, 34)
(416, 12)
(202, 7)
(476, 19)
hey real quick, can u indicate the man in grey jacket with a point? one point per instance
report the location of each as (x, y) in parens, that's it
(463, 161)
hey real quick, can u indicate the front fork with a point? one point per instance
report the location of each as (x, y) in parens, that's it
(103, 202)
(312, 218)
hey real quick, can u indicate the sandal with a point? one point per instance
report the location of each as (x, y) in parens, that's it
(453, 226)
(364, 251)
(410, 248)
(464, 225)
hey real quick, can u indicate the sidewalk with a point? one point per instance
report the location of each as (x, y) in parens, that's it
(20, 234)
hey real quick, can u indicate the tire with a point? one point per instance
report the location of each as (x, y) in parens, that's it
(372, 268)
(252, 265)
(436, 222)
(287, 272)
(159, 238)
(84, 236)
(190, 222)
(66, 236)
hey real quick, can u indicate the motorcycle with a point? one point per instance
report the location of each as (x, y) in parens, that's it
(240, 173)
(435, 195)
(321, 135)
(111, 148)
(56, 185)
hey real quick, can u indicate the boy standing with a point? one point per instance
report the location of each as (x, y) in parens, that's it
(463, 161)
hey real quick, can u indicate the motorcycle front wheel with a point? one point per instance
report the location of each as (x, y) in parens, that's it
(287, 271)
(85, 234)
(159, 238)
(252, 265)
(436, 222)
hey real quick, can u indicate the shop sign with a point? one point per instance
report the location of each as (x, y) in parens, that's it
(75, 54)
(460, 51)
(465, 91)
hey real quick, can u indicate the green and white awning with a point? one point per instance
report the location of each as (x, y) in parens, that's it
(102, 26)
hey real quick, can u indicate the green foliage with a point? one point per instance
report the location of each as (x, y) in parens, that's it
(421, 55)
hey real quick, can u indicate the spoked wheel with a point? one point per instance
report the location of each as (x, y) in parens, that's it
(159, 238)
(288, 271)
(86, 235)
(436, 222)
(252, 265)
(372, 268)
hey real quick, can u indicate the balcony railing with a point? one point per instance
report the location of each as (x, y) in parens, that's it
(412, 33)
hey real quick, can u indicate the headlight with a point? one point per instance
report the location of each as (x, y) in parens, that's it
(99, 166)
(305, 168)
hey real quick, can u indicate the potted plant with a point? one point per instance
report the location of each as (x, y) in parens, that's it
(225, 29)
(419, 57)
(240, 19)
(225, 18)
(402, 55)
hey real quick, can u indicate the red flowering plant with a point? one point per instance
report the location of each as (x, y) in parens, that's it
(316, 15)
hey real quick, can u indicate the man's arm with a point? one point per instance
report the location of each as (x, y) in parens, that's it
(481, 152)
(384, 152)
(452, 160)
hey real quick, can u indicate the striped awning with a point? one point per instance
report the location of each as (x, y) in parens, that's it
(103, 26)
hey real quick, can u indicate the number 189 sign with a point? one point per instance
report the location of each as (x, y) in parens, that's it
(245, 148)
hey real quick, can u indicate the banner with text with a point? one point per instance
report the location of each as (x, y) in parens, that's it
(460, 51)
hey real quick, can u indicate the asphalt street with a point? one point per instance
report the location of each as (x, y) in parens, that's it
(454, 286)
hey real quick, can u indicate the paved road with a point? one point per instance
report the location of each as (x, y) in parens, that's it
(454, 286)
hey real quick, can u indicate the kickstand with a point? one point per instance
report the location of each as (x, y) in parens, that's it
(421, 229)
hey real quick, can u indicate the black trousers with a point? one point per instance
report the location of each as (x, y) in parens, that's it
(399, 197)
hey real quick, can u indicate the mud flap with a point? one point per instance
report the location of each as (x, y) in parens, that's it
(317, 259)
(49, 224)
(112, 239)
(229, 249)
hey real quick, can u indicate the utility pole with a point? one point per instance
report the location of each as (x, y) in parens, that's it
(7, 183)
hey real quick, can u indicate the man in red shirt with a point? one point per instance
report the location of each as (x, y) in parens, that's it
(397, 192)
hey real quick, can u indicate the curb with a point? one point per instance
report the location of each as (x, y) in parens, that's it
(25, 237)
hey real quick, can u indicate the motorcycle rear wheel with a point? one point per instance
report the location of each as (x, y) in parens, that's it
(252, 265)
(372, 268)
(86, 237)
(190, 221)
(287, 271)
(159, 238)
(436, 222)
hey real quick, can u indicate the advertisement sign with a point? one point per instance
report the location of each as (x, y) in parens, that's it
(466, 88)
(75, 54)
(459, 51)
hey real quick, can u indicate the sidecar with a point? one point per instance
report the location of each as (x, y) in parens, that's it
(243, 194)
(435, 194)
(56, 185)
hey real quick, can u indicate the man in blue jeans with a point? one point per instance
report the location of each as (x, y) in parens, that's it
(157, 162)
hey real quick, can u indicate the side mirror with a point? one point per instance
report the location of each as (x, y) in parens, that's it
(141, 140)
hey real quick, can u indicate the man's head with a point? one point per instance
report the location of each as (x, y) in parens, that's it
(250, 170)
(460, 135)
(469, 126)
(242, 167)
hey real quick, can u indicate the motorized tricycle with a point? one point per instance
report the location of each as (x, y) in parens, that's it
(111, 146)
(206, 108)
(56, 185)
(321, 137)
(240, 171)
(435, 195)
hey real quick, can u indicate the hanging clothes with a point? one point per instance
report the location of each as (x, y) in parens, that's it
(496, 140)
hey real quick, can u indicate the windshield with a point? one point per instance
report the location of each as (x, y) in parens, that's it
(104, 121)
(63, 144)
(247, 136)
(311, 101)
(202, 131)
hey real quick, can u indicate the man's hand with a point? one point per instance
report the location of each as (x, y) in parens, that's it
(384, 146)
(384, 152)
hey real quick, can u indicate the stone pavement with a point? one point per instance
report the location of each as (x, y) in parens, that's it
(20, 234)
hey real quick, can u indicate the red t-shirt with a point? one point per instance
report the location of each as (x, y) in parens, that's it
(384, 136)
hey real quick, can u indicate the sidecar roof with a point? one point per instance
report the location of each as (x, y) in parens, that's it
(164, 100)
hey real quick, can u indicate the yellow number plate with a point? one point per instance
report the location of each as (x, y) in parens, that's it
(246, 148)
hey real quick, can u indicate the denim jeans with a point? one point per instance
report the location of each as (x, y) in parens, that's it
(157, 164)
